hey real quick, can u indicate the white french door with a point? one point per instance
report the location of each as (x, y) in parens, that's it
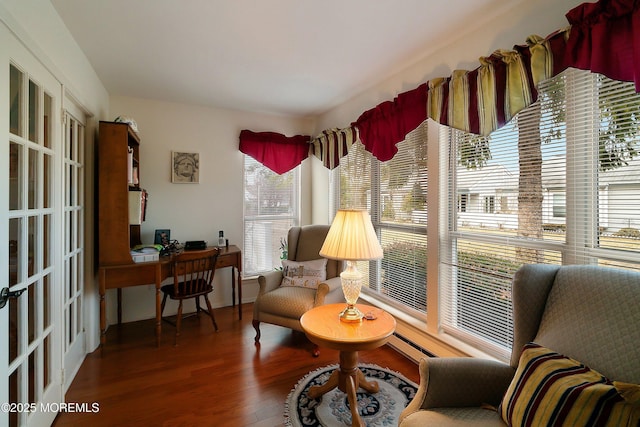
(31, 225)
(73, 172)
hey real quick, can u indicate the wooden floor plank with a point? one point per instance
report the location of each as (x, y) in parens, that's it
(211, 378)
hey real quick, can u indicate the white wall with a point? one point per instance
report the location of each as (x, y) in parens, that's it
(195, 211)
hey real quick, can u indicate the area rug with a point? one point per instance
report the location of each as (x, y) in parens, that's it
(376, 410)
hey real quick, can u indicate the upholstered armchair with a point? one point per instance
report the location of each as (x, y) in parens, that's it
(577, 315)
(282, 301)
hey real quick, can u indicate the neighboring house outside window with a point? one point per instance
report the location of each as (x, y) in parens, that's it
(271, 208)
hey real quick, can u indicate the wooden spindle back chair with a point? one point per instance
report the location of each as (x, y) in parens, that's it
(193, 273)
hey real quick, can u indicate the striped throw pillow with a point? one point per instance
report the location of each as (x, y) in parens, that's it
(550, 389)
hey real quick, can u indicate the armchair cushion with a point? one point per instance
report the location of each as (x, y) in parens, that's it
(306, 274)
(288, 301)
(551, 389)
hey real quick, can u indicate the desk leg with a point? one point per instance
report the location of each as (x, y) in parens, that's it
(158, 304)
(233, 286)
(103, 314)
(239, 294)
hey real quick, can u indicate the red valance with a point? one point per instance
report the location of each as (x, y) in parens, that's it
(382, 127)
(605, 38)
(276, 151)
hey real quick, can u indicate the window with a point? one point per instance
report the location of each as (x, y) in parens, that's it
(395, 193)
(489, 204)
(571, 168)
(559, 205)
(462, 202)
(270, 210)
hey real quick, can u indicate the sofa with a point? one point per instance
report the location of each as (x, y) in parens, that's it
(566, 319)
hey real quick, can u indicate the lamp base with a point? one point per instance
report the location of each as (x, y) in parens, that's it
(351, 314)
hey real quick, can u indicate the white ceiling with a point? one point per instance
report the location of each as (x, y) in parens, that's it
(290, 57)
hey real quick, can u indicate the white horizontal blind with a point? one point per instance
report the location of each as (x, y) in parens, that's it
(395, 193)
(558, 185)
(353, 185)
(603, 144)
(270, 209)
(400, 215)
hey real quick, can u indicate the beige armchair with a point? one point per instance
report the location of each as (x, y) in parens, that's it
(284, 305)
(588, 313)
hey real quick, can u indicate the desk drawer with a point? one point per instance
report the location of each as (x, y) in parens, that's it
(227, 261)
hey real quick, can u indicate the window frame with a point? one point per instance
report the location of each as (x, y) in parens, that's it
(277, 240)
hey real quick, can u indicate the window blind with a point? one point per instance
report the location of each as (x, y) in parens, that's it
(395, 193)
(560, 184)
(271, 208)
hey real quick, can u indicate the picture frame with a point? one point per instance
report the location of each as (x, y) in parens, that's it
(162, 237)
(185, 167)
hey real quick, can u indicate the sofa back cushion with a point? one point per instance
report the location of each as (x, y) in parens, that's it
(304, 244)
(592, 315)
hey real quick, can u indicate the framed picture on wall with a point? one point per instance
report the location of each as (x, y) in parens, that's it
(185, 167)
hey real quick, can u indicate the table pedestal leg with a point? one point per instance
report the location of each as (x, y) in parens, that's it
(348, 378)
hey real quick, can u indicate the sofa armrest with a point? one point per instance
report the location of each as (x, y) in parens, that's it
(329, 291)
(269, 281)
(459, 382)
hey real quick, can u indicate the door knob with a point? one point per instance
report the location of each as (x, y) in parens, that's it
(5, 294)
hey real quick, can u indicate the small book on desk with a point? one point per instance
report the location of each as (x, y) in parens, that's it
(195, 245)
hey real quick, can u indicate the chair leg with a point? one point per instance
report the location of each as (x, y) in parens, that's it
(213, 319)
(198, 308)
(164, 300)
(178, 322)
(256, 326)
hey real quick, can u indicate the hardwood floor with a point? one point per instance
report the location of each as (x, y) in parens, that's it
(210, 379)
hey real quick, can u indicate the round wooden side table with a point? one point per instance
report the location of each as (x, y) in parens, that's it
(323, 327)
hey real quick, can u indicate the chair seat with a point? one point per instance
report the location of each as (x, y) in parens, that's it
(288, 301)
(454, 417)
(170, 291)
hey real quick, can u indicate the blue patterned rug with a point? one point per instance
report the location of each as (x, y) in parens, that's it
(377, 410)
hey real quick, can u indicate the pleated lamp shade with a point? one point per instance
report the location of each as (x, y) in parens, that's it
(351, 237)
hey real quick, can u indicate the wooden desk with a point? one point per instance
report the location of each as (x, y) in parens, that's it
(323, 327)
(145, 273)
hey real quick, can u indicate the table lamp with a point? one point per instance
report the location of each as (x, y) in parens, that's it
(351, 238)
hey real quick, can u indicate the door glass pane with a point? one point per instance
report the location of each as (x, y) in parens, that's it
(47, 362)
(32, 377)
(15, 256)
(47, 188)
(70, 332)
(32, 301)
(71, 141)
(34, 238)
(46, 236)
(33, 178)
(15, 102)
(46, 301)
(15, 176)
(47, 120)
(14, 380)
(14, 331)
(33, 111)
(72, 185)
